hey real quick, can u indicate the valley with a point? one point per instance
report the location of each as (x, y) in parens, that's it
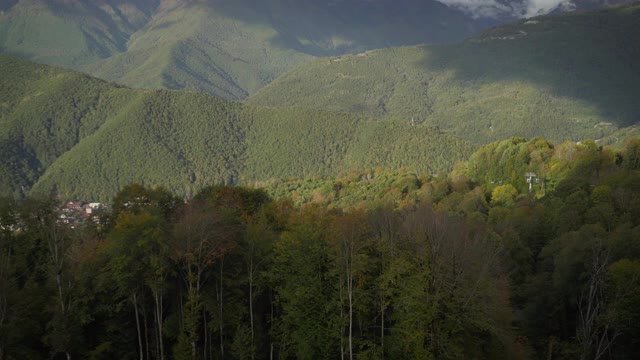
(370, 179)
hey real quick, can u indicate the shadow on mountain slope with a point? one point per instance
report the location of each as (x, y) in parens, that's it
(335, 27)
(592, 58)
(568, 77)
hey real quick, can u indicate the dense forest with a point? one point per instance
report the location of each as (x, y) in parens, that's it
(467, 265)
(568, 77)
(229, 48)
(418, 202)
(80, 137)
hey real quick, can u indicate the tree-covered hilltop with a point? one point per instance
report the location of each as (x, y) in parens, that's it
(618, 139)
(70, 32)
(390, 264)
(566, 77)
(228, 48)
(66, 133)
(44, 112)
(502, 165)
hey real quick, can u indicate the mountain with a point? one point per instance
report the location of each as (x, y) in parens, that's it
(229, 48)
(71, 33)
(44, 112)
(80, 137)
(422, 107)
(232, 48)
(618, 139)
(565, 77)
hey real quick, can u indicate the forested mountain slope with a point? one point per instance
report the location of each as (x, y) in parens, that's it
(229, 48)
(71, 33)
(371, 264)
(572, 76)
(44, 112)
(77, 136)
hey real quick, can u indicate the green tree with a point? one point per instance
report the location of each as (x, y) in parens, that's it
(140, 251)
(631, 154)
(309, 326)
(349, 235)
(203, 233)
(504, 195)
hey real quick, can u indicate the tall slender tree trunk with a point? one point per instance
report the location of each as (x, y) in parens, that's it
(206, 332)
(590, 305)
(271, 324)
(210, 345)
(383, 294)
(341, 288)
(135, 306)
(60, 294)
(3, 312)
(159, 307)
(155, 333)
(251, 306)
(192, 316)
(382, 328)
(56, 242)
(350, 295)
(194, 352)
(220, 301)
(63, 306)
(145, 324)
(3, 297)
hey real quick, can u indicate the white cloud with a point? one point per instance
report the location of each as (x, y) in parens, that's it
(479, 8)
(541, 7)
(519, 8)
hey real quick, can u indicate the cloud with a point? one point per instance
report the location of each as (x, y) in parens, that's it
(479, 8)
(519, 8)
(541, 7)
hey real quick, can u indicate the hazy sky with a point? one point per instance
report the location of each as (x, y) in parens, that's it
(517, 8)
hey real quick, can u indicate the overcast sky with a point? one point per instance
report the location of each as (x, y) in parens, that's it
(517, 8)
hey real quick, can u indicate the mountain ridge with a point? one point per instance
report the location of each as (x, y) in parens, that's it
(420, 107)
(66, 133)
(228, 48)
(536, 77)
